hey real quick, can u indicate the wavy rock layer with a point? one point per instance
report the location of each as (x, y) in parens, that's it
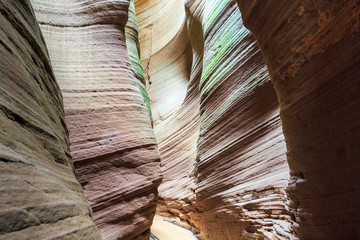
(40, 197)
(177, 137)
(241, 169)
(237, 188)
(312, 50)
(165, 54)
(112, 143)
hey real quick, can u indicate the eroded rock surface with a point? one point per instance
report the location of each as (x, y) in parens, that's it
(228, 180)
(112, 143)
(177, 139)
(40, 197)
(165, 54)
(227, 170)
(312, 49)
(241, 170)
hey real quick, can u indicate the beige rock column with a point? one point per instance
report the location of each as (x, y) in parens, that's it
(177, 138)
(112, 142)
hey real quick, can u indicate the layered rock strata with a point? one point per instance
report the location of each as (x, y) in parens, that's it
(241, 162)
(112, 143)
(39, 195)
(165, 54)
(177, 139)
(240, 171)
(312, 50)
(241, 168)
(220, 137)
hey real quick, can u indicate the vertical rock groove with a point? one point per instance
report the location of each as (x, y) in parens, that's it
(177, 137)
(133, 48)
(106, 109)
(312, 50)
(166, 53)
(223, 151)
(39, 195)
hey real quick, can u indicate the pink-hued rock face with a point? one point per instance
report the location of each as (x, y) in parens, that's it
(112, 143)
(236, 186)
(241, 163)
(312, 49)
(254, 104)
(39, 195)
(223, 152)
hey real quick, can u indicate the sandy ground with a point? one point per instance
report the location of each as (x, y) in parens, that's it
(164, 230)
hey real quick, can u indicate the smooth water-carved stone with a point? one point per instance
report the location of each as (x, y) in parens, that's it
(177, 139)
(242, 170)
(312, 50)
(165, 54)
(112, 142)
(39, 195)
(228, 180)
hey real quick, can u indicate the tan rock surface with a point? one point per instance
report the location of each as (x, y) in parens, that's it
(39, 195)
(177, 139)
(233, 167)
(112, 142)
(241, 170)
(165, 53)
(229, 181)
(312, 49)
(163, 229)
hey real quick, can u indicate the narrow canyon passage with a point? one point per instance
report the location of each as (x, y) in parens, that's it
(181, 119)
(238, 180)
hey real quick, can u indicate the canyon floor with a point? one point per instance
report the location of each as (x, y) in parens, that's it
(163, 229)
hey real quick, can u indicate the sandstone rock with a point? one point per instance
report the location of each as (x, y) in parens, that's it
(312, 50)
(177, 139)
(165, 54)
(133, 49)
(39, 195)
(227, 170)
(177, 132)
(241, 168)
(237, 188)
(112, 143)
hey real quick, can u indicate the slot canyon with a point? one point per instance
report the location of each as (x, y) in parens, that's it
(179, 119)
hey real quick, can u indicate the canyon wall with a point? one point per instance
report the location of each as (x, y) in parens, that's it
(233, 167)
(235, 186)
(312, 50)
(177, 139)
(106, 110)
(223, 152)
(241, 161)
(133, 49)
(39, 195)
(165, 54)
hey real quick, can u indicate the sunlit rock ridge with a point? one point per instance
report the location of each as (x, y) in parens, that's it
(237, 119)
